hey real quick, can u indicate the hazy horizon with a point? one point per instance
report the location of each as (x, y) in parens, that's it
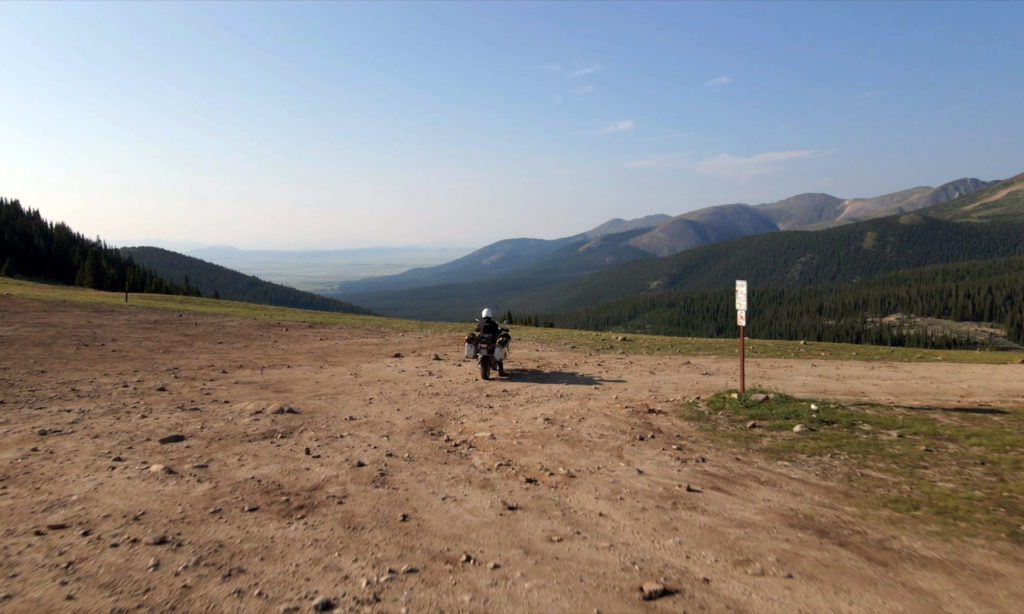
(313, 126)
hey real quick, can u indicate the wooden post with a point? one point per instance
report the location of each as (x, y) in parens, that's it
(741, 320)
(742, 364)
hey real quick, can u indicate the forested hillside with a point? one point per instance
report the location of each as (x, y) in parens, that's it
(990, 291)
(220, 282)
(794, 258)
(35, 249)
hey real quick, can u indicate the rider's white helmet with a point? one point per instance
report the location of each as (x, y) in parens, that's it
(486, 313)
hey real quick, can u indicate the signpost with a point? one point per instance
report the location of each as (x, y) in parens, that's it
(741, 320)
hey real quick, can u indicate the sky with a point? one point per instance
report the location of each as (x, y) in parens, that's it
(337, 125)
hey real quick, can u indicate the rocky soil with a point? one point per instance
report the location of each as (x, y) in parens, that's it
(162, 461)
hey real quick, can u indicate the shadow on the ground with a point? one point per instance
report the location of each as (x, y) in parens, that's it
(957, 410)
(536, 376)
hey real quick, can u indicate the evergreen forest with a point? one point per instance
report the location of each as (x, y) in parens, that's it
(35, 249)
(982, 292)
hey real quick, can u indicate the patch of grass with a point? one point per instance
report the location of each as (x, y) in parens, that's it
(953, 472)
(576, 340)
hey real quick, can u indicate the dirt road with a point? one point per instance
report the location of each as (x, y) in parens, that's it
(163, 461)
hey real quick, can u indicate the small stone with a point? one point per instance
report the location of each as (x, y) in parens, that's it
(215, 510)
(157, 540)
(759, 397)
(42, 432)
(323, 604)
(57, 526)
(250, 508)
(409, 569)
(436, 357)
(175, 438)
(154, 564)
(652, 590)
(161, 389)
(800, 428)
(403, 517)
(158, 468)
(753, 424)
(397, 355)
(308, 451)
(466, 558)
(360, 463)
(494, 565)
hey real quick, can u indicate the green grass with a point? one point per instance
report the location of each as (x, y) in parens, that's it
(953, 472)
(587, 341)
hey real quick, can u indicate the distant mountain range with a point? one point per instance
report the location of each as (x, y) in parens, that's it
(511, 267)
(820, 267)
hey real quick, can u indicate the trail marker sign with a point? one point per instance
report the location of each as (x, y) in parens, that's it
(741, 320)
(741, 295)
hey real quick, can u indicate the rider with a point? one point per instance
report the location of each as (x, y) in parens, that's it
(488, 326)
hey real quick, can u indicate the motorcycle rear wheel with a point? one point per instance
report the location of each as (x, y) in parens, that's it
(485, 368)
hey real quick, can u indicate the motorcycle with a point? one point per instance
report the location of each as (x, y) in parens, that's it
(489, 350)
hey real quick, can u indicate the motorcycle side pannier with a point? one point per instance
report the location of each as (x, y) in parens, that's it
(470, 350)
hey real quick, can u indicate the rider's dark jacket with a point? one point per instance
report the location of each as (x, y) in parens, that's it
(488, 326)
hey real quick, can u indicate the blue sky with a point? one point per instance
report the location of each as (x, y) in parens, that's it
(340, 125)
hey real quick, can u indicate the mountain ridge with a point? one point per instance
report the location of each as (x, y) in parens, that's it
(886, 243)
(652, 236)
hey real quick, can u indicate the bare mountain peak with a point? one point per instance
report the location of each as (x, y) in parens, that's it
(620, 225)
(858, 209)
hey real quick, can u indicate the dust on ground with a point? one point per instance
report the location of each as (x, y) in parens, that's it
(160, 461)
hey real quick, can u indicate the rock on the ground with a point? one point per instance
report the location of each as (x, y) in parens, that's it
(652, 590)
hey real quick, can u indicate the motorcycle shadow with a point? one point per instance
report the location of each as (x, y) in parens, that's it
(536, 376)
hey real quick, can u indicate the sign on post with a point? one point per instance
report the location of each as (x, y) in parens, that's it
(741, 320)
